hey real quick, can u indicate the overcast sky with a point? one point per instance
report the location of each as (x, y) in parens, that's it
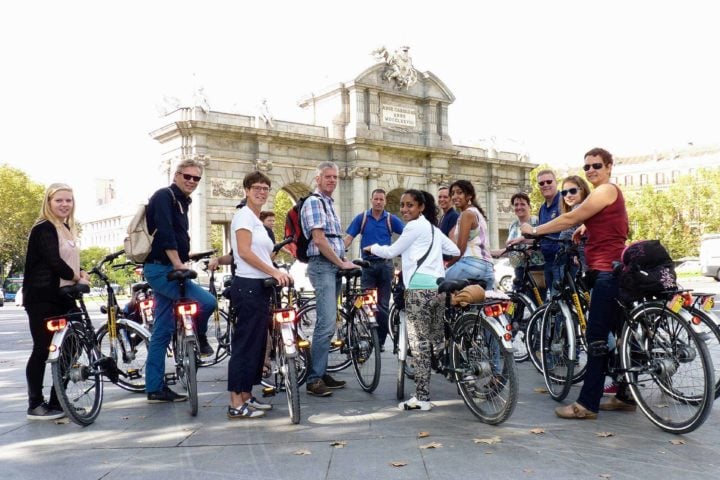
(81, 79)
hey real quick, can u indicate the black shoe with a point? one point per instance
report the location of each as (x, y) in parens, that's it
(318, 389)
(331, 383)
(45, 412)
(165, 395)
(205, 349)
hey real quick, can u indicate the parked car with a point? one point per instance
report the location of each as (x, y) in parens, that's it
(504, 274)
(710, 256)
(688, 265)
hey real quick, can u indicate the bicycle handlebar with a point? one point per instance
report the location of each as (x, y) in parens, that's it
(278, 246)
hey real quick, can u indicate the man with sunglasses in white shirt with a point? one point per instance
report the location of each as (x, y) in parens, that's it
(167, 216)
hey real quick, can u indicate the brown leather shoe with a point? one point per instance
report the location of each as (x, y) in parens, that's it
(575, 411)
(614, 404)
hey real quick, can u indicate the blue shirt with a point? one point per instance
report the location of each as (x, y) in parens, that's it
(314, 216)
(448, 221)
(549, 249)
(170, 218)
(375, 231)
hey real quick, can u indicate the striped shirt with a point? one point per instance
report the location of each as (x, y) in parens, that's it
(314, 216)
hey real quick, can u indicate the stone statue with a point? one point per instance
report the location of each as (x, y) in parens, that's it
(264, 118)
(399, 66)
(200, 100)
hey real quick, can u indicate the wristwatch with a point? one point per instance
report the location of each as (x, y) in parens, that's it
(534, 231)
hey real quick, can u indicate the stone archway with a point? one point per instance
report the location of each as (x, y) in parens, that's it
(392, 201)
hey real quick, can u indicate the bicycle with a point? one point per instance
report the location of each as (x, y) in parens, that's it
(77, 352)
(707, 325)
(665, 362)
(288, 354)
(221, 325)
(355, 340)
(476, 355)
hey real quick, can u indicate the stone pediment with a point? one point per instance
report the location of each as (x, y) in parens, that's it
(428, 86)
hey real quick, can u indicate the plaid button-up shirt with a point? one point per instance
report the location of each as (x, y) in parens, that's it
(314, 216)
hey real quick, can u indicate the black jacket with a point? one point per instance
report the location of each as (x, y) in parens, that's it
(43, 266)
(170, 217)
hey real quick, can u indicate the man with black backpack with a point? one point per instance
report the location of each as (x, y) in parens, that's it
(376, 227)
(167, 216)
(325, 250)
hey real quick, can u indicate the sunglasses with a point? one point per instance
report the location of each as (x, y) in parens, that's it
(571, 191)
(545, 182)
(595, 166)
(189, 177)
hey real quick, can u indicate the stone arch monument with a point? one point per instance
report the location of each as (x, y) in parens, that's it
(386, 128)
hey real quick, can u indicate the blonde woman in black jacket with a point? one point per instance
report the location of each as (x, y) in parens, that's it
(52, 261)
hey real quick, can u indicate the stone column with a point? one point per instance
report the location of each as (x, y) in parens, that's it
(373, 175)
(199, 221)
(492, 211)
(359, 202)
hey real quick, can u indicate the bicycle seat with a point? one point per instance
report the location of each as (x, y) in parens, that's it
(76, 290)
(140, 286)
(349, 273)
(181, 275)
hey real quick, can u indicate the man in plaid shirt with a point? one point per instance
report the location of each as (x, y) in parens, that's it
(326, 249)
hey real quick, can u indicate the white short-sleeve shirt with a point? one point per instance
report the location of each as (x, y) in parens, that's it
(262, 245)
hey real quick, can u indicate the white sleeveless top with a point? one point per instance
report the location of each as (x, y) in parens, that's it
(477, 242)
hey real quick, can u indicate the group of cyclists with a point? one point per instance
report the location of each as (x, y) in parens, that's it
(598, 219)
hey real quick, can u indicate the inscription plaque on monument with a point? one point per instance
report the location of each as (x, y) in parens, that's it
(398, 116)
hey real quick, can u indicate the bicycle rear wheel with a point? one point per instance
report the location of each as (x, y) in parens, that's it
(129, 350)
(670, 372)
(484, 371)
(707, 329)
(364, 347)
(219, 334)
(532, 337)
(189, 366)
(557, 342)
(276, 378)
(77, 379)
(338, 356)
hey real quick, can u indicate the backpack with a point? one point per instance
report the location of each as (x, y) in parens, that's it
(138, 243)
(293, 229)
(647, 270)
(364, 220)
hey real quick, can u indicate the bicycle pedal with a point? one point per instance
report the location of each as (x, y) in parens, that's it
(133, 374)
(269, 391)
(170, 379)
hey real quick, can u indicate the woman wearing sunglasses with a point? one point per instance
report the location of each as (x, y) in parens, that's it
(574, 191)
(605, 222)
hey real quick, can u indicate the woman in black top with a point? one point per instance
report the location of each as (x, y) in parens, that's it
(52, 261)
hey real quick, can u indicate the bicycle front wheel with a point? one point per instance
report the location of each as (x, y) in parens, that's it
(484, 371)
(77, 379)
(557, 346)
(364, 346)
(189, 365)
(520, 311)
(129, 349)
(669, 370)
(338, 356)
(290, 374)
(708, 331)
(532, 336)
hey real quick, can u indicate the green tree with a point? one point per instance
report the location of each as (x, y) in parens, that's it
(20, 202)
(91, 256)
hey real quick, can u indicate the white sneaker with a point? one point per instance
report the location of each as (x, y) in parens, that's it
(415, 404)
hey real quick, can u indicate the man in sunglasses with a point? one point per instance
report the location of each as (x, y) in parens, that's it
(549, 210)
(167, 216)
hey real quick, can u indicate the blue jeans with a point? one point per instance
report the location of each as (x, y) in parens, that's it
(322, 275)
(165, 293)
(379, 275)
(472, 268)
(605, 316)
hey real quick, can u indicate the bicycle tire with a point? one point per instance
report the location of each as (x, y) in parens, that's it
(532, 337)
(219, 337)
(77, 380)
(709, 332)
(522, 309)
(556, 343)
(670, 373)
(490, 396)
(302, 368)
(190, 368)
(393, 323)
(364, 348)
(338, 354)
(131, 352)
(292, 391)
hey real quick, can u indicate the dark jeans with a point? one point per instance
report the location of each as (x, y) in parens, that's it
(379, 275)
(35, 369)
(605, 316)
(251, 331)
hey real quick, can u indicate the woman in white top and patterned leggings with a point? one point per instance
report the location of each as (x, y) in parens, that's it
(475, 261)
(421, 246)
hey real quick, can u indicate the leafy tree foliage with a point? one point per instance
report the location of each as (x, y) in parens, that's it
(91, 256)
(20, 202)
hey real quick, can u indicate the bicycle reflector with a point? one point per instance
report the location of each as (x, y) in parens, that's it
(687, 299)
(286, 315)
(147, 303)
(190, 308)
(56, 324)
(494, 310)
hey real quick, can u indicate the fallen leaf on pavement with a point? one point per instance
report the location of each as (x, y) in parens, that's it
(62, 421)
(537, 431)
(605, 434)
(604, 475)
(302, 452)
(540, 390)
(423, 434)
(528, 470)
(431, 445)
(488, 441)
(338, 444)
(678, 442)
(400, 463)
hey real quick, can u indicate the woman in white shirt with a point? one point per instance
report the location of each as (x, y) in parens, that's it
(252, 248)
(421, 246)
